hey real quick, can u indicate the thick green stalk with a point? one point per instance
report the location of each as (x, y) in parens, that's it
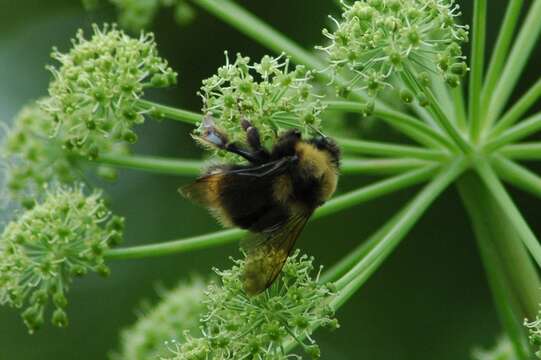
(509, 208)
(500, 51)
(168, 112)
(407, 124)
(517, 175)
(358, 274)
(522, 151)
(523, 129)
(511, 275)
(364, 147)
(515, 63)
(477, 67)
(518, 110)
(341, 202)
(153, 164)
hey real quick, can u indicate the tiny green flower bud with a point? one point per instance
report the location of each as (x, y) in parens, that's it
(459, 69)
(424, 78)
(422, 99)
(406, 95)
(452, 80)
(313, 351)
(60, 318)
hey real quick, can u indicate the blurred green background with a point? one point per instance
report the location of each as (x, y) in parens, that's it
(429, 300)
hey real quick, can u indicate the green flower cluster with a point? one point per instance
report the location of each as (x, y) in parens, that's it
(62, 237)
(33, 158)
(240, 327)
(94, 95)
(177, 312)
(376, 39)
(135, 15)
(272, 94)
(534, 328)
(502, 351)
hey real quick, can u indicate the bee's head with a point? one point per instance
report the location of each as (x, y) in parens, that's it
(328, 145)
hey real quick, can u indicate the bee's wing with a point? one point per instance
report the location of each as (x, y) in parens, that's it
(267, 252)
(206, 189)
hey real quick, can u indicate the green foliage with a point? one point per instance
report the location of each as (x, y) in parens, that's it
(503, 350)
(64, 236)
(236, 326)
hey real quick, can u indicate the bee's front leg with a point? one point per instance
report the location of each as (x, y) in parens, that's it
(254, 140)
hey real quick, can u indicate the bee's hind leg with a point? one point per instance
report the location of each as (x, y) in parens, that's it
(254, 140)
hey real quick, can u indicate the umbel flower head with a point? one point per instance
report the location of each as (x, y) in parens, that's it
(236, 326)
(33, 158)
(272, 94)
(95, 91)
(62, 237)
(375, 39)
(177, 312)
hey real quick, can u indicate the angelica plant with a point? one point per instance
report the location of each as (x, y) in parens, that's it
(407, 50)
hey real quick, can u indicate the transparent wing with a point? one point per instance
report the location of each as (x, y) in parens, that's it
(267, 252)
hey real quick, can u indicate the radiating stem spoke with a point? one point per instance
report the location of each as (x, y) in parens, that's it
(509, 207)
(477, 67)
(517, 175)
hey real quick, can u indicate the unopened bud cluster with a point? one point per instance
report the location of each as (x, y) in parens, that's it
(158, 327)
(534, 328)
(33, 158)
(376, 39)
(236, 326)
(272, 94)
(64, 236)
(94, 95)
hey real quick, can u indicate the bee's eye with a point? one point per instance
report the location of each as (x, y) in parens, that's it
(320, 142)
(296, 132)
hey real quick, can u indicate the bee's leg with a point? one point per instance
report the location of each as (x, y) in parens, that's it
(253, 139)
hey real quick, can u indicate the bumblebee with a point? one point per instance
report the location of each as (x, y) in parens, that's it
(272, 196)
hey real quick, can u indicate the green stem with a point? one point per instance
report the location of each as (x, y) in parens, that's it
(176, 246)
(500, 51)
(477, 67)
(511, 275)
(357, 275)
(438, 112)
(376, 190)
(517, 175)
(457, 95)
(152, 164)
(520, 108)
(227, 236)
(380, 166)
(353, 257)
(409, 125)
(509, 208)
(522, 151)
(515, 63)
(388, 149)
(523, 129)
(168, 112)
